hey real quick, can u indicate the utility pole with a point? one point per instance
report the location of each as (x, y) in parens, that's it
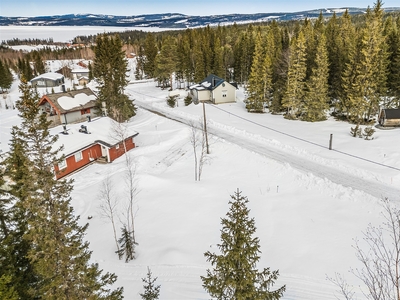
(205, 127)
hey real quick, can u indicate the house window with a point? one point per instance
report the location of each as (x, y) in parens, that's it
(62, 164)
(78, 156)
(85, 111)
(224, 93)
(117, 146)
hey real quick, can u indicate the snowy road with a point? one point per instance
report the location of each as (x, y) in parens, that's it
(256, 145)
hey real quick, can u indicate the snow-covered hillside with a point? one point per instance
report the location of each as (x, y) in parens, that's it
(308, 202)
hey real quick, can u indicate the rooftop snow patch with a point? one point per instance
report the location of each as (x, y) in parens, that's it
(71, 102)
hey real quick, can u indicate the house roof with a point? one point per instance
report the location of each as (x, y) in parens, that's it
(49, 75)
(70, 101)
(391, 113)
(101, 132)
(209, 83)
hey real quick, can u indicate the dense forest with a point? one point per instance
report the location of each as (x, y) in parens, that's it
(302, 68)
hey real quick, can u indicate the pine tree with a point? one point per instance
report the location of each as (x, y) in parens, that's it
(110, 68)
(316, 96)
(57, 252)
(295, 85)
(234, 275)
(151, 291)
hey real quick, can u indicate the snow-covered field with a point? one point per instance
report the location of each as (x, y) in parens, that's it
(309, 202)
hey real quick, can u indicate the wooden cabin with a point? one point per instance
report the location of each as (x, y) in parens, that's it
(389, 117)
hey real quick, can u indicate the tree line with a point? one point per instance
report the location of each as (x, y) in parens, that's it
(301, 68)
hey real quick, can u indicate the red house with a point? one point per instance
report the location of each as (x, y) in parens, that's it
(89, 142)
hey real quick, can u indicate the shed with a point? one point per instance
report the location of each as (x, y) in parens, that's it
(389, 117)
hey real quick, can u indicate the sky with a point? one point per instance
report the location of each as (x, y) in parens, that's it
(25, 8)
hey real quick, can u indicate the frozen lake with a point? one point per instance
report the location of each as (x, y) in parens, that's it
(62, 33)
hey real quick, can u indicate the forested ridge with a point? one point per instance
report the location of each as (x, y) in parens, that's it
(302, 68)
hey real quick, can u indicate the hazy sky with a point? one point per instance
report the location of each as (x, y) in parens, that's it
(200, 7)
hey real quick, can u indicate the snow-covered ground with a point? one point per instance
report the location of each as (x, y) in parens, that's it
(309, 202)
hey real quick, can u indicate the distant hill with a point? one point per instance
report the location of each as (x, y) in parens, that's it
(171, 20)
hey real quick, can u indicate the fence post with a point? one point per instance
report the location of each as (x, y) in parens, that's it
(330, 142)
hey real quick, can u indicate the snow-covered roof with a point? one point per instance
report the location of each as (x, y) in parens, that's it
(49, 75)
(67, 102)
(81, 70)
(70, 101)
(101, 130)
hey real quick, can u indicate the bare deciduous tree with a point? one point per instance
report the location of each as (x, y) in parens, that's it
(380, 258)
(344, 288)
(119, 133)
(198, 142)
(108, 205)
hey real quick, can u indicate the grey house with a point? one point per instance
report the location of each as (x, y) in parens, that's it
(48, 80)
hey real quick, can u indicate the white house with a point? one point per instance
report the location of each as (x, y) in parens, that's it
(214, 89)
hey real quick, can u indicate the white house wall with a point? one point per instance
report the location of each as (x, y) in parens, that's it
(229, 90)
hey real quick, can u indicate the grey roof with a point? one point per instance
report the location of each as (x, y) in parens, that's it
(391, 113)
(211, 82)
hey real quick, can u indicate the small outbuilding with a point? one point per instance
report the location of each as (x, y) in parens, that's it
(389, 117)
(214, 89)
(49, 79)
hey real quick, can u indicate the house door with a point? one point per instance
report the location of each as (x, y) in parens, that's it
(103, 151)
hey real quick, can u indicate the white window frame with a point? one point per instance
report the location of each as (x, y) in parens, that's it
(78, 156)
(62, 164)
(117, 146)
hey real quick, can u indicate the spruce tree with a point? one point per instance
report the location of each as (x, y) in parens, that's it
(295, 84)
(235, 275)
(127, 245)
(6, 77)
(316, 96)
(57, 252)
(151, 290)
(255, 99)
(109, 69)
(149, 54)
(166, 62)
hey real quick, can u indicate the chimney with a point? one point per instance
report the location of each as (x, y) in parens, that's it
(65, 129)
(83, 129)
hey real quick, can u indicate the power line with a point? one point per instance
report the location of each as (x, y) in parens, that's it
(289, 135)
(304, 140)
